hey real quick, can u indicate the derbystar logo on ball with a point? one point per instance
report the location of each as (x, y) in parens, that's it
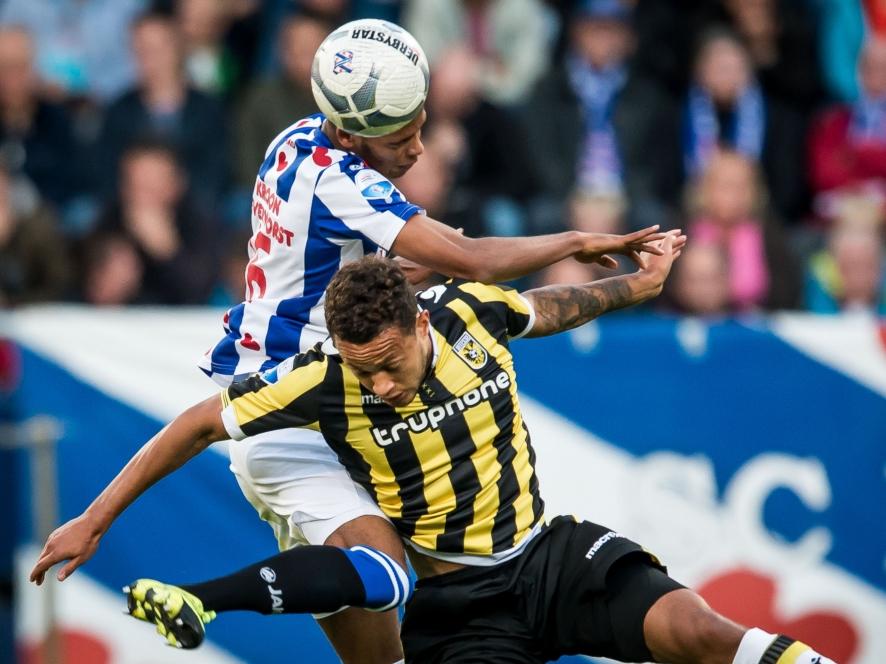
(370, 77)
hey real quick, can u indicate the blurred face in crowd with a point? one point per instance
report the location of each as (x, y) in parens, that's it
(454, 85)
(17, 78)
(299, 40)
(156, 45)
(150, 179)
(390, 155)
(723, 70)
(729, 188)
(202, 22)
(601, 42)
(858, 254)
(113, 272)
(872, 68)
(755, 18)
(701, 282)
(427, 183)
(596, 214)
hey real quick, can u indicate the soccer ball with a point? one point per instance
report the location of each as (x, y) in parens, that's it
(370, 77)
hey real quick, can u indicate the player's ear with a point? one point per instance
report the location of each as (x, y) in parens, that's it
(346, 140)
(422, 322)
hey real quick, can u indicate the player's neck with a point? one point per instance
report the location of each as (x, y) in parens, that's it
(328, 130)
(427, 347)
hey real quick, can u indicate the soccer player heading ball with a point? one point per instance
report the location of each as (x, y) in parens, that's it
(370, 78)
(323, 198)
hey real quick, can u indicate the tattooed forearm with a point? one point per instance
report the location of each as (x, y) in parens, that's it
(563, 307)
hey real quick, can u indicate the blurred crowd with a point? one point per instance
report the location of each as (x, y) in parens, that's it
(131, 132)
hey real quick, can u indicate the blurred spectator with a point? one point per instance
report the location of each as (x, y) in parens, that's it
(726, 107)
(34, 264)
(273, 104)
(699, 282)
(875, 12)
(231, 282)
(592, 214)
(429, 183)
(208, 63)
(111, 270)
(508, 40)
(841, 33)
(78, 43)
(590, 122)
(173, 242)
(848, 143)
(492, 174)
(781, 38)
(35, 136)
(727, 209)
(163, 105)
(849, 274)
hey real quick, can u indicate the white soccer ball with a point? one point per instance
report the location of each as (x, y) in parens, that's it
(370, 77)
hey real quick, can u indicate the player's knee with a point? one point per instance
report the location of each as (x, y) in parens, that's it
(707, 636)
(688, 630)
(386, 583)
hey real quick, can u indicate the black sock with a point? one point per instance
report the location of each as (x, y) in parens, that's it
(306, 579)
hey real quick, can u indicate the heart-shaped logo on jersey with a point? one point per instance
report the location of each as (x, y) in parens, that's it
(281, 161)
(248, 342)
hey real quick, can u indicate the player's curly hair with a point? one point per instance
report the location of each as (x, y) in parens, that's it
(366, 297)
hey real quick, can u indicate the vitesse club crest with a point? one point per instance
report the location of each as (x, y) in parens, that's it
(470, 350)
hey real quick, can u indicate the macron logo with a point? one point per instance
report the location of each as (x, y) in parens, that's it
(370, 398)
(611, 535)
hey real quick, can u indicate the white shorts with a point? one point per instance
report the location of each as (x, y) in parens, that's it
(296, 483)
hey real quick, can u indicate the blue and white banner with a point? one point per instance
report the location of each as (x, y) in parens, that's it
(749, 456)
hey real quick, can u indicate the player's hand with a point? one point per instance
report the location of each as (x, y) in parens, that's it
(658, 265)
(75, 542)
(597, 247)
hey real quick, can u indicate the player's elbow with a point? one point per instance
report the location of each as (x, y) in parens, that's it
(474, 265)
(206, 423)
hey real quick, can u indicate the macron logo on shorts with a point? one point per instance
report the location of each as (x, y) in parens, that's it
(611, 535)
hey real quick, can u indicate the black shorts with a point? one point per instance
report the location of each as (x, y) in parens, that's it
(578, 588)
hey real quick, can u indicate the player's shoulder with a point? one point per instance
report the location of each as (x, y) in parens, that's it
(353, 173)
(482, 299)
(305, 128)
(440, 295)
(313, 358)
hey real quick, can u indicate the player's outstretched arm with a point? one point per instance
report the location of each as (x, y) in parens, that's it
(565, 306)
(187, 435)
(492, 259)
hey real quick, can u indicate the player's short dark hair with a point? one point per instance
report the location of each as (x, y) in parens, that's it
(367, 297)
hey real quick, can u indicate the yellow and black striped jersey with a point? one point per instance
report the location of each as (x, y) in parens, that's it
(454, 469)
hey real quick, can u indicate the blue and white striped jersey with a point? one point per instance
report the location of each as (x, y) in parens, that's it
(314, 208)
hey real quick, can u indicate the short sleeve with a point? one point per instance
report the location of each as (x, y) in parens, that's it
(287, 396)
(357, 202)
(514, 310)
